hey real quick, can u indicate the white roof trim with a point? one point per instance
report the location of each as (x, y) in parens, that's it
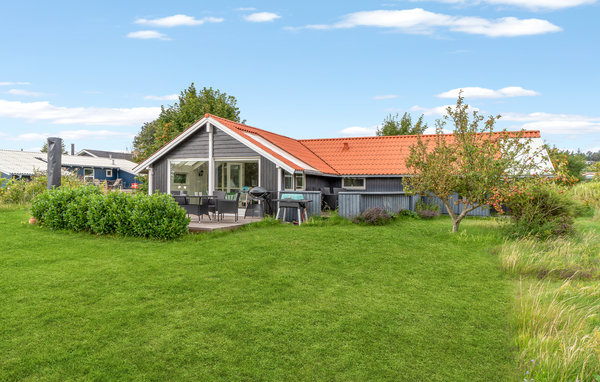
(157, 155)
(254, 147)
(87, 152)
(281, 152)
(152, 158)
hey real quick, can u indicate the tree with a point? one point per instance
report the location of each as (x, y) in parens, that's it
(575, 161)
(191, 107)
(472, 164)
(394, 125)
(62, 147)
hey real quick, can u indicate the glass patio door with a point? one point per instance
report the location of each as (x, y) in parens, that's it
(229, 177)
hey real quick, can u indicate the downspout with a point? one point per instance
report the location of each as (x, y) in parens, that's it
(211, 159)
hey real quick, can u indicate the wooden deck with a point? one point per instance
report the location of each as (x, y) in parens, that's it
(226, 224)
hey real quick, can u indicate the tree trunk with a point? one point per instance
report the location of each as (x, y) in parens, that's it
(455, 224)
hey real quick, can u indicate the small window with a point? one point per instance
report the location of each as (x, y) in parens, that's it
(109, 172)
(180, 178)
(88, 174)
(353, 183)
(288, 181)
(299, 181)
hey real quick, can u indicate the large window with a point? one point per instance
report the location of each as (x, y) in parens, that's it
(353, 183)
(233, 176)
(188, 176)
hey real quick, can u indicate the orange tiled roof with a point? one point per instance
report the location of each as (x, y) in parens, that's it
(371, 155)
(336, 156)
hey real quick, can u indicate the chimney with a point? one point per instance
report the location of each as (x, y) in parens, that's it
(346, 147)
(72, 148)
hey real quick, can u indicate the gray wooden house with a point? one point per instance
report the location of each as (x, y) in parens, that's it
(218, 154)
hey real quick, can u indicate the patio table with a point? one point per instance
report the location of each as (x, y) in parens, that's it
(300, 204)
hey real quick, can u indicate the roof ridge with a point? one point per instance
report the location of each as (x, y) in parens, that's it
(253, 127)
(407, 136)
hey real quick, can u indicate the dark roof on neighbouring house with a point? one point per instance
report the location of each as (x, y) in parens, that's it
(26, 163)
(105, 154)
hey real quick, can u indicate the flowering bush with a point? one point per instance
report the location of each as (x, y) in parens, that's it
(427, 210)
(538, 207)
(374, 216)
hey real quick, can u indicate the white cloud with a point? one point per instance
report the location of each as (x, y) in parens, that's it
(249, 9)
(358, 131)
(420, 21)
(9, 83)
(44, 111)
(529, 4)
(551, 123)
(24, 93)
(168, 97)
(261, 17)
(477, 92)
(74, 135)
(385, 96)
(146, 35)
(177, 21)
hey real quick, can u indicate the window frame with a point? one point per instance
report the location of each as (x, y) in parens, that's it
(109, 173)
(351, 187)
(88, 178)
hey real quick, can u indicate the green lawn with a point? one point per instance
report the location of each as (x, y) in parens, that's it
(409, 302)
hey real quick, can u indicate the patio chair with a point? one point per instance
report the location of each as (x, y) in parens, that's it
(175, 192)
(117, 184)
(202, 206)
(225, 206)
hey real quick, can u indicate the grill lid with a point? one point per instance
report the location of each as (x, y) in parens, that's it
(258, 192)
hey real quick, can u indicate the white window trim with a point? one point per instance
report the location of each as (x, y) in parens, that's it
(215, 160)
(364, 186)
(88, 176)
(109, 171)
(303, 182)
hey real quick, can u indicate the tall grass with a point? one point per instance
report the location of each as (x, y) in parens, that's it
(563, 258)
(587, 193)
(559, 330)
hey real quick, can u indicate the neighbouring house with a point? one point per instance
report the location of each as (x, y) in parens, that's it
(218, 154)
(106, 154)
(24, 164)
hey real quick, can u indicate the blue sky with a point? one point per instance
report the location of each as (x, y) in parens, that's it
(93, 72)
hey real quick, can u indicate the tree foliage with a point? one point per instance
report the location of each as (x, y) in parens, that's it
(473, 163)
(192, 105)
(62, 147)
(574, 162)
(394, 125)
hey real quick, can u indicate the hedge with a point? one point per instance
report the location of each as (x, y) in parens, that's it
(87, 209)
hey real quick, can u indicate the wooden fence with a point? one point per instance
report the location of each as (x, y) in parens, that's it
(351, 204)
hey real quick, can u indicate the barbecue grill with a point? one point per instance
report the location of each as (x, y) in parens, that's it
(261, 197)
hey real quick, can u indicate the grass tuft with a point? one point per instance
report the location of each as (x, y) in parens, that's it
(559, 330)
(563, 258)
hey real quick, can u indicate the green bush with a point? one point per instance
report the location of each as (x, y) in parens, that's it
(87, 209)
(23, 191)
(408, 214)
(542, 210)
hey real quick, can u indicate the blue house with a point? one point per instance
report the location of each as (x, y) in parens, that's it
(23, 164)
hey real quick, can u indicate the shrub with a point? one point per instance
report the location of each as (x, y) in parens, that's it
(158, 216)
(540, 209)
(374, 216)
(409, 214)
(427, 210)
(88, 209)
(23, 191)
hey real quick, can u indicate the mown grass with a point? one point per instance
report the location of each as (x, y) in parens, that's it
(408, 301)
(558, 309)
